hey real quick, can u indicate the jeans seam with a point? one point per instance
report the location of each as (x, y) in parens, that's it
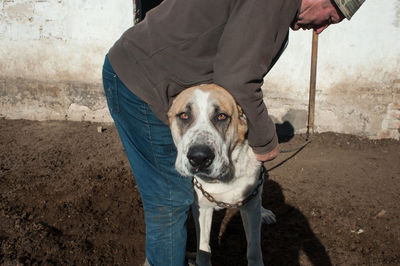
(145, 111)
(116, 100)
(149, 135)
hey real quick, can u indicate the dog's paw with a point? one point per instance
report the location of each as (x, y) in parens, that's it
(203, 258)
(267, 216)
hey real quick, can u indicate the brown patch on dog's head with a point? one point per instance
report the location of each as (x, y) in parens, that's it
(181, 105)
(228, 104)
(242, 124)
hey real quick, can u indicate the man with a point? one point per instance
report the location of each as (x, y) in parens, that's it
(182, 43)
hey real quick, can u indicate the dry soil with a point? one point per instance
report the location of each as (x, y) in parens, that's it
(68, 197)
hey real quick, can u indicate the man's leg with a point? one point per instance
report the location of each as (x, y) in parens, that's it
(166, 195)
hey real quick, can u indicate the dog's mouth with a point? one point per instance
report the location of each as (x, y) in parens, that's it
(206, 178)
(204, 174)
(224, 175)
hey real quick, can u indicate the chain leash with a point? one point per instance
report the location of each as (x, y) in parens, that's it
(229, 205)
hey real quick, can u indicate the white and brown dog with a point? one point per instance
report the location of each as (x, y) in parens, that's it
(209, 131)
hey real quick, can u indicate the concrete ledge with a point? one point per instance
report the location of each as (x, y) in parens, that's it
(367, 111)
(49, 100)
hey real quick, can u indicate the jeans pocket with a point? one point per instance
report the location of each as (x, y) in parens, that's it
(110, 84)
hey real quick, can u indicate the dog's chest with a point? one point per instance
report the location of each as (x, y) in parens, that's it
(247, 170)
(242, 185)
(227, 193)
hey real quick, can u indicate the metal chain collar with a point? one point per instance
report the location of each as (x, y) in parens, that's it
(229, 205)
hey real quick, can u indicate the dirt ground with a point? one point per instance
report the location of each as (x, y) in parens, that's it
(68, 197)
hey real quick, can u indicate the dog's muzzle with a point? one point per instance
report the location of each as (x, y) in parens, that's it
(200, 158)
(204, 154)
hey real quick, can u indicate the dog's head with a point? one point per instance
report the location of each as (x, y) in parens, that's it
(206, 125)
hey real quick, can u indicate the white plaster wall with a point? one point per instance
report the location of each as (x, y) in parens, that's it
(358, 74)
(59, 39)
(51, 53)
(55, 49)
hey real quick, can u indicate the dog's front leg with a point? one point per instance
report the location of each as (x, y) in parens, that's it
(203, 217)
(251, 217)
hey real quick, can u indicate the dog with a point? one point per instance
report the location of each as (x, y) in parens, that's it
(209, 131)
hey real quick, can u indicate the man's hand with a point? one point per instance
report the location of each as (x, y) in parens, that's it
(317, 15)
(268, 156)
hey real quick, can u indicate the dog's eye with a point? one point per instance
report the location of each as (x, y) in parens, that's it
(183, 116)
(222, 117)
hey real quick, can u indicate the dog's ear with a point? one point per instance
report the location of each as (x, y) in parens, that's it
(171, 116)
(242, 126)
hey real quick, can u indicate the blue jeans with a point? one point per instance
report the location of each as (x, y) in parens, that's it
(166, 195)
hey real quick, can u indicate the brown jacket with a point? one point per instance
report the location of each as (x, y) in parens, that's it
(182, 43)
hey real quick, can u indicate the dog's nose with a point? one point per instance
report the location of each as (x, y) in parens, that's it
(200, 156)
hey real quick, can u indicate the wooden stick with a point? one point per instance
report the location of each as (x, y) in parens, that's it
(313, 79)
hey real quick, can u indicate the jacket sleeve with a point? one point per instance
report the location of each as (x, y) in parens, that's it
(253, 35)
